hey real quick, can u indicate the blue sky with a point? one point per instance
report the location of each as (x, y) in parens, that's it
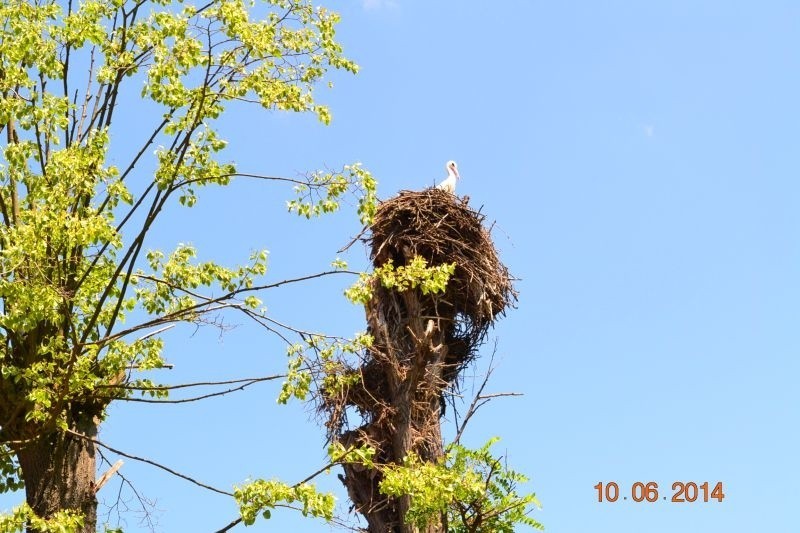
(640, 161)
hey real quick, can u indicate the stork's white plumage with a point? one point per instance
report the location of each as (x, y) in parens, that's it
(449, 183)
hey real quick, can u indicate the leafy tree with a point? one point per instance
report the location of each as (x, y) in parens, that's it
(74, 259)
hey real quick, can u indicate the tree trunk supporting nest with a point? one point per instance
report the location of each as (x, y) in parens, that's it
(421, 343)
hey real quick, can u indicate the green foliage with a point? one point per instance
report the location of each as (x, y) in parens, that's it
(473, 489)
(67, 276)
(430, 280)
(321, 356)
(363, 455)
(298, 378)
(262, 496)
(167, 289)
(23, 519)
(10, 475)
(311, 203)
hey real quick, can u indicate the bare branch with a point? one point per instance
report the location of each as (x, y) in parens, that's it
(207, 302)
(230, 526)
(243, 175)
(480, 400)
(144, 504)
(197, 384)
(194, 398)
(148, 461)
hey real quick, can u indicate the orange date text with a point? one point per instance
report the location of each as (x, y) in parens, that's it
(682, 492)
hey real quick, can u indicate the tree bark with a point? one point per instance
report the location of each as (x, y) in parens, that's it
(405, 388)
(59, 472)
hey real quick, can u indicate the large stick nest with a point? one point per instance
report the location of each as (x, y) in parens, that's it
(442, 228)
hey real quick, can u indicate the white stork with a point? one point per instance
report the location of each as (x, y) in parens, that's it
(449, 183)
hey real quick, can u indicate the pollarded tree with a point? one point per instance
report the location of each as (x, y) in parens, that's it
(74, 258)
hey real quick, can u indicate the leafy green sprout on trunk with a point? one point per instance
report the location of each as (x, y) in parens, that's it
(430, 280)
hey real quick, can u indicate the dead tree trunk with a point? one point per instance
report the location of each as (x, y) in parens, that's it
(421, 343)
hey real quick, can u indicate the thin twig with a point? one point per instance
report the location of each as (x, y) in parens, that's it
(480, 400)
(148, 461)
(193, 398)
(196, 384)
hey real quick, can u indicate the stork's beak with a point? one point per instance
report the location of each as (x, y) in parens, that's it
(455, 170)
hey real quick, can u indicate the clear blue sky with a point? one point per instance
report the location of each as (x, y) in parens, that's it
(641, 162)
